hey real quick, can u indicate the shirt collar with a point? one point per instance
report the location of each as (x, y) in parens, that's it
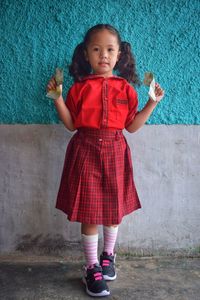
(92, 76)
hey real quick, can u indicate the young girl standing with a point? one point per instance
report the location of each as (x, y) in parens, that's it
(97, 186)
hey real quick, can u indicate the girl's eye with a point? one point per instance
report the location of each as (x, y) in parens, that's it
(95, 49)
(110, 49)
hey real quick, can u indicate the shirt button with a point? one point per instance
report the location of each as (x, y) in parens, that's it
(100, 140)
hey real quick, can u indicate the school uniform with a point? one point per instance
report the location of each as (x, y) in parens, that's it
(97, 185)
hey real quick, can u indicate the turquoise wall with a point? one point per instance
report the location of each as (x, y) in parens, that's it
(38, 35)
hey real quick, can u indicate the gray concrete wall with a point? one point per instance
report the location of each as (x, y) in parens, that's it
(167, 170)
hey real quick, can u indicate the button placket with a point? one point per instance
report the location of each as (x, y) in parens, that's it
(105, 103)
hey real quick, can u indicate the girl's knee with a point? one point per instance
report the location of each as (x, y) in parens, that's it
(89, 229)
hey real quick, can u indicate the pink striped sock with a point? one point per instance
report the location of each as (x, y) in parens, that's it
(110, 236)
(90, 247)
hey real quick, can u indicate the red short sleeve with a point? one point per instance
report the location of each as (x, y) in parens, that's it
(133, 105)
(71, 104)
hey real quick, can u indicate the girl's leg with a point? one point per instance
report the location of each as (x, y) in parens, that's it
(107, 258)
(90, 243)
(110, 237)
(92, 272)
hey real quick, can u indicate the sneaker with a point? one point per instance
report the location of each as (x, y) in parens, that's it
(94, 281)
(107, 263)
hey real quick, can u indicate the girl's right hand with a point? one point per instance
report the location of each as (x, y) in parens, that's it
(51, 84)
(53, 91)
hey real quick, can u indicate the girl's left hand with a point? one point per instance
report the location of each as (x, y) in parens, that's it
(159, 92)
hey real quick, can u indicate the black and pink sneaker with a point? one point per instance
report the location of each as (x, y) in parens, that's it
(107, 263)
(95, 282)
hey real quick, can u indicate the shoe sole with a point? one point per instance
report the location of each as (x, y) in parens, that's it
(107, 278)
(102, 294)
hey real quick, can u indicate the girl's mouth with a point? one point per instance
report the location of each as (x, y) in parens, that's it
(102, 64)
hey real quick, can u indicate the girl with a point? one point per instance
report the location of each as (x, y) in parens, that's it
(97, 184)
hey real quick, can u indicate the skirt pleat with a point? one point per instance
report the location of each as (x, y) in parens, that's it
(97, 185)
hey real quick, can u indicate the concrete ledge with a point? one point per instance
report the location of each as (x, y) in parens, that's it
(166, 168)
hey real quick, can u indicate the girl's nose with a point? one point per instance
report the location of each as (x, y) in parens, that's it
(103, 54)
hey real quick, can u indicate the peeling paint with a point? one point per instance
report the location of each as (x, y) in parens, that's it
(44, 243)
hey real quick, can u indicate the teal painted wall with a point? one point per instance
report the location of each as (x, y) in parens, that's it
(38, 35)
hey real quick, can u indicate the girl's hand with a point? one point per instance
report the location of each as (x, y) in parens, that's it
(54, 91)
(159, 92)
(52, 85)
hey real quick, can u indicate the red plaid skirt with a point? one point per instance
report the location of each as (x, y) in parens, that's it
(97, 184)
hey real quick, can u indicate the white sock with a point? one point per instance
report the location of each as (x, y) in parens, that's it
(110, 236)
(90, 247)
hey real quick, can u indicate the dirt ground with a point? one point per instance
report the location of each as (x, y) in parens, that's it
(145, 278)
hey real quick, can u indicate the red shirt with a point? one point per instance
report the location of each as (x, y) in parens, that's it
(100, 102)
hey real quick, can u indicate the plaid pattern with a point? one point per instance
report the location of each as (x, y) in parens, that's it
(97, 184)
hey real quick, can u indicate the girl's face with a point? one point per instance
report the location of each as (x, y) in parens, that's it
(103, 52)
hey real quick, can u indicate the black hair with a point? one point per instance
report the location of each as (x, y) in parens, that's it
(125, 67)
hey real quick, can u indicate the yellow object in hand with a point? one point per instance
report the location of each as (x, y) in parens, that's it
(148, 77)
(59, 76)
(56, 93)
(149, 80)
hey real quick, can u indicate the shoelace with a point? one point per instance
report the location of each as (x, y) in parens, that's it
(105, 263)
(98, 276)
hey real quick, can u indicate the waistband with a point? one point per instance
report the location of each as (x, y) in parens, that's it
(101, 133)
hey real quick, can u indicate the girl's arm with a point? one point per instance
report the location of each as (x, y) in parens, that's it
(63, 111)
(141, 117)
